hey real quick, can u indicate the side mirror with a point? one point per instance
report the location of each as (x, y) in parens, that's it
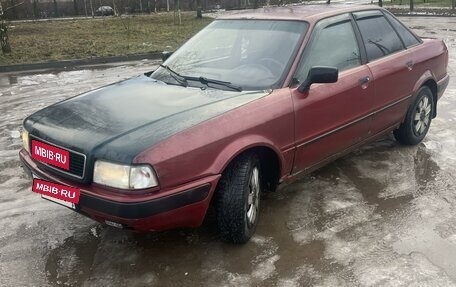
(165, 55)
(319, 75)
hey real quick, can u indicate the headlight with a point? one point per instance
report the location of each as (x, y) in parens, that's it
(124, 176)
(25, 140)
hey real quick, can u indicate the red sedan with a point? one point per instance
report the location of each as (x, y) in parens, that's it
(251, 101)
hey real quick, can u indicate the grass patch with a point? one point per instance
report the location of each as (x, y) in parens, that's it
(100, 37)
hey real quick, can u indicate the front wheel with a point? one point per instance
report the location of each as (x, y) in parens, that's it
(238, 199)
(418, 119)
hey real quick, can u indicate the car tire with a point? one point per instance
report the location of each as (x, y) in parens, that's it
(238, 199)
(418, 119)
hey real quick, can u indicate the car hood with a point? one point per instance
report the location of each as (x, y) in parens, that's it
(120, 120)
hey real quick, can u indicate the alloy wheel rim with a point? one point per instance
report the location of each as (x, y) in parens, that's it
(422, 116)
(253, 199)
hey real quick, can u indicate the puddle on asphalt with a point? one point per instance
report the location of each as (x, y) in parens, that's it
(426, 169)
(426, 241)
(70, 264)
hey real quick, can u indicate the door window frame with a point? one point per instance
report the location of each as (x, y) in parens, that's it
(332, 20)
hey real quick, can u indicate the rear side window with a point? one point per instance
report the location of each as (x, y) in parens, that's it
(379, 37)
(407, 37)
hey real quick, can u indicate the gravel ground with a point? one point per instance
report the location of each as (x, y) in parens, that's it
(382, 216)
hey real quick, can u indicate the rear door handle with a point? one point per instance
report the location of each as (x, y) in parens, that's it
(409, 65)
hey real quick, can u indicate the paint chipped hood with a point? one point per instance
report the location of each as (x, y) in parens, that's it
(120, 120)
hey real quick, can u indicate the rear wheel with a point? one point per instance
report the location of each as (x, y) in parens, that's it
(238, 199)
(418, 119)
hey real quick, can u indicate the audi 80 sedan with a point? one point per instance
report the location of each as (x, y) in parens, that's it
(250, 102)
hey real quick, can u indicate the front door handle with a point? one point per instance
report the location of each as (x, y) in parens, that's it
(364, 81)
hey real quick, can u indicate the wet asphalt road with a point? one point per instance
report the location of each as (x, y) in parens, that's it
(382, 216)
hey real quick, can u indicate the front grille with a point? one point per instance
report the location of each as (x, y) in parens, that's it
(77, 161)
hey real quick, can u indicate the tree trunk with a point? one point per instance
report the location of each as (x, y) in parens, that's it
(114, 7)
(56, 11)
(380, 3)
(328, 1)
(35, 9)
(411, 5)
(85, 8)
(198, 9)
(255, 4)
(4, 42)
(140, 6)
(453, 4)
(91, 9)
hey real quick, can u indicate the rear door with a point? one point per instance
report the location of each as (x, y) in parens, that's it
(391, 66)
(331, 117)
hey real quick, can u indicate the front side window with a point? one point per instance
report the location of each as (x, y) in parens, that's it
(379, 37)
(252, 54)
(333, 45)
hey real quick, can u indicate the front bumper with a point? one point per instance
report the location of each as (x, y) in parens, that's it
(183, 206)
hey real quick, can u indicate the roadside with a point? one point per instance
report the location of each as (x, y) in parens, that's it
(90, 63)
(49, 41)
(77, 43)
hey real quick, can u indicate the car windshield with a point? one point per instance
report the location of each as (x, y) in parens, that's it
(249, 54)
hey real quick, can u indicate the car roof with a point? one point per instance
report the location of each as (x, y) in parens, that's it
(305, 12)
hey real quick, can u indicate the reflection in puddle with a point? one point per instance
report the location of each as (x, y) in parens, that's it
(70, 264)
(426, 168)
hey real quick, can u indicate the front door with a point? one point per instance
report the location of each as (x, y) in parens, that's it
(329, 118)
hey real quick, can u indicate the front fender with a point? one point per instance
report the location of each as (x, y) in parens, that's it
(240, 145)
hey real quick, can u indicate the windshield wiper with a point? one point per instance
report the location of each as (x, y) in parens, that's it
(176, 76)
(381, 47)
(206, 81)
(183, 80)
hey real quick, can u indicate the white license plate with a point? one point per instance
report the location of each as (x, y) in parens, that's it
(56, 200)
(59, 201)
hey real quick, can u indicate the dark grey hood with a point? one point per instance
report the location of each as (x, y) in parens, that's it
(119, 121)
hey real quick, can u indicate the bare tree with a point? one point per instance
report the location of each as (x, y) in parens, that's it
(6, 48)
(35, 9)
(4, 40)
(56, 11)
(91, 8)
(177, 12)
(198, 9)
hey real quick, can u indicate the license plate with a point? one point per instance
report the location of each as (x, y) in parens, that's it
(61, 202)
(50, 154)
(58, 193)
